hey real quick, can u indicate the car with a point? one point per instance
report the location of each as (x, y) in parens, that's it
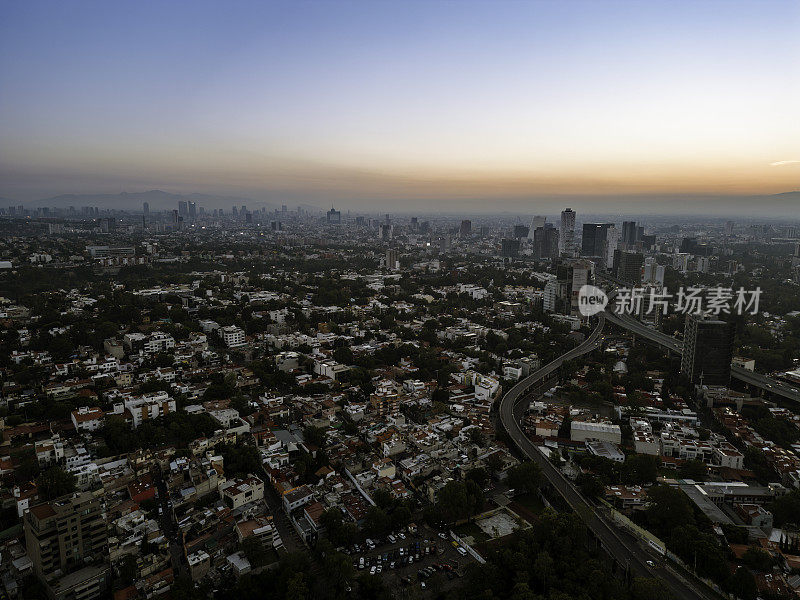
(461, 551)
(361, 563)
(455, 544)
(391, 565)
(422, 584)
(401, 551)
(410, 560)
(650, 563)
(392, 539)
(378, 569)
(401, 535)
(443, 535)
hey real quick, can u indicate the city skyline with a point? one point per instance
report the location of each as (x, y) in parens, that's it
(623, 106)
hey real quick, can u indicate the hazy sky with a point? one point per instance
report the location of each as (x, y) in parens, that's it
(397, 104)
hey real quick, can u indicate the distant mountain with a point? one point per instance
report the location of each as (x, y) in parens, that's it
(4, 202)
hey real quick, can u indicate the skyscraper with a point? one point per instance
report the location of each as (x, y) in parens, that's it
(334, 216)
(520, 231)
(466, 228)
(629, 268)
(146, 208)
(566, 237)
(183, 208)
(66, 541)
(593, 239)
(392, 259)
(509, 248)
(192, 210)
(707, 350)
(545, 240)
(629, 233)
(610, 246)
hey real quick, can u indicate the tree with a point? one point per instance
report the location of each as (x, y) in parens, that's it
(565, 429)
(255, 552)
(525, 477)
(478, 475)
(693, 469)
(757, 559)
(744, 584)
(338, 569)
(494, 463)
(590, 485)
(55, 482)
(648, 589)
(786, 509)
(314, 435)
(669, 507)
(640, 469)
(376, 521)
(440, 394)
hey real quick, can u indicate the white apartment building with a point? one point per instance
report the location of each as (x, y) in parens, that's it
(148, 406)
(238, 492)
(88, 418)
(159, 342)
(232, 336)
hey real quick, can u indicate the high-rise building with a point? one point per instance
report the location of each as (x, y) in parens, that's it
(594, 238)
(334, 216)
(545, 240)
(566, 236)
(183, 208)
(538, 221)
(466, 228)
(509, 248)
(146, 208)
(653, 272)
(550, 295)
(629, 268)
(392, 259)
(610, 246)
(192, 210)
(707, 350)
(629, 233)
(66, 540)
(576, 275)
(520, 231)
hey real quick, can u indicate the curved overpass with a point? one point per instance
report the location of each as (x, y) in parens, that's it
(620, 545)
(768, 384)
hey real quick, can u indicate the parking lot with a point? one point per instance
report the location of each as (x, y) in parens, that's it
(427, 560)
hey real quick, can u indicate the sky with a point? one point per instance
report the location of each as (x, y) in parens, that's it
(401, 105)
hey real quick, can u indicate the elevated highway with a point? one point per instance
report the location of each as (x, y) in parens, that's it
(623, 548)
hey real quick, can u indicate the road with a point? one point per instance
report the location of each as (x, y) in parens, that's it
(170, 527)
(768, 384)
(616, 542)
